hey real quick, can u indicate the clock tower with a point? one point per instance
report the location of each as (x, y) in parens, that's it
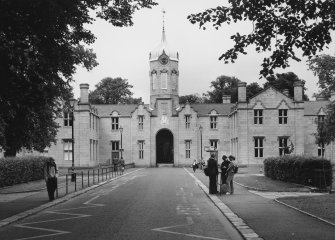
(164, 73)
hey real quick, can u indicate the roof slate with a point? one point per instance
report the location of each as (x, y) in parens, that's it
(205, 109)
(122, 109)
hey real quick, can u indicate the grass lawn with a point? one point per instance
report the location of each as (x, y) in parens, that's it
(321, 206)
(267, 184)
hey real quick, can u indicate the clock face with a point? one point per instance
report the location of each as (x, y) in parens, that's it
(164, 60)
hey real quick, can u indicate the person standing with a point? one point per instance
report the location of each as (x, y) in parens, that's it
(194, 165)
(212, 166)
(50, 176)
(224, 167)
(230, 174)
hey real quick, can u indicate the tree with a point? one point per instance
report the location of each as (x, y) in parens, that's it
(326, 129)
(253, 89)
(41, 44)
(279, 27)
(285, 81)
(191, 98)
(225, 85)
(323, 66)
(113, 91)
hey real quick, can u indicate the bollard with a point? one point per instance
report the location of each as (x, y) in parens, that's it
(98, 174)
(93, 177)
(75, 184)
(82, 180)
(109, 172)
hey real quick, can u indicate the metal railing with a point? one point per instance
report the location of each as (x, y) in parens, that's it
(86, 178)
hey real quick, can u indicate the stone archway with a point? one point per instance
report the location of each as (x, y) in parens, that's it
(164, 147)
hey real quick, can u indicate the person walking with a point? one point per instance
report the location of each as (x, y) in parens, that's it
(50, 176)
(230, 174)
(194, 165)
(212, 166)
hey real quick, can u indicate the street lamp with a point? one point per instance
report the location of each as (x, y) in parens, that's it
(200, 129)
(73, 175)
(121, 130)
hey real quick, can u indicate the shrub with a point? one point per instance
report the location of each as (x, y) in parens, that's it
(16, 170)
(306, 170)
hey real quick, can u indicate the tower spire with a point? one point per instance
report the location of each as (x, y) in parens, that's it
(163, 33)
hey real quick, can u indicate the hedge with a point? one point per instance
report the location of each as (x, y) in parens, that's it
(16, 170)
(306, 170)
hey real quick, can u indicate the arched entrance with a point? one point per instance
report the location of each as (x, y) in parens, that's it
(164, 146)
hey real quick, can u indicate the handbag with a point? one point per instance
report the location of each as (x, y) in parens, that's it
(206, 171)
(224, 188)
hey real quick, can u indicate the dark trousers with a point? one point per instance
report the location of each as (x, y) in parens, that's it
(212, 184)
(51, 187)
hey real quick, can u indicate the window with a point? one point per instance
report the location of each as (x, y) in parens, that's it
(321, 149)
(68, 150)
(188, 148)
(164, 80)
(258, 116)
(283, 148)
(321, 119)
(259, 147)
(282, 116)
(115, 123)
(115, 149)
(140, 122)
(187, 121)
(213, 122)
(214, 143)
(68, 119)
(141, 149)
(154, 81)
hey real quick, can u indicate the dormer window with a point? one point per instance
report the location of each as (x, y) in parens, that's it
(213, 122)
(68, 119)
(115, 123)
(187, 121)
(258, 116)
(282, 116)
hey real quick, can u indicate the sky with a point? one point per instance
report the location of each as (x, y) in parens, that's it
(124, 52)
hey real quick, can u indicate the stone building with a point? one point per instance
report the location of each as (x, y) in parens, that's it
(165, 132)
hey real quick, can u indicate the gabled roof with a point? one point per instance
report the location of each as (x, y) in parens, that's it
(122, 109)
(264, 90)
(205, 109)
(313, 107)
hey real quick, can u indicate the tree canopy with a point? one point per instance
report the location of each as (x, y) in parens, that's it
(323, 67)
(225, 85)
(280, 27)
(285, 81)
(113, 91)
(191, 98)
(41, 44)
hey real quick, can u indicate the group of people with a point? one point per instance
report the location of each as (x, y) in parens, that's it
(228, 169)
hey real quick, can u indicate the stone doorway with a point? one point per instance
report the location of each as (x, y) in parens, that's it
(164, 147)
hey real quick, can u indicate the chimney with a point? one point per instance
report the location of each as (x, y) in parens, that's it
(84, 93)
(332, 95)
(298, 91)
(242, 91)
(226, 99)
(286, 92)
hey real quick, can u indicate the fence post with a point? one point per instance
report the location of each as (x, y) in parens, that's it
(88, 178)
(93, 177)
(82, 179)
(98, 174)
(66, 184)
(75, 184)
(57, 188)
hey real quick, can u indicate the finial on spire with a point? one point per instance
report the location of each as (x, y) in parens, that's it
(163, 11)
(163, 33)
